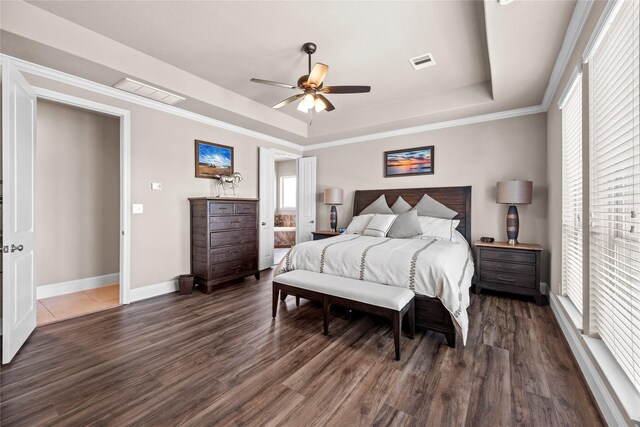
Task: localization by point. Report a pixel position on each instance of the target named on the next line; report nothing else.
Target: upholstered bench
(389, 301)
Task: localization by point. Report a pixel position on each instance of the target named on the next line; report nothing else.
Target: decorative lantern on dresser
(224, 240)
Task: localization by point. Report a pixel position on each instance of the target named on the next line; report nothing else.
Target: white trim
(577, 73)
(606, 401)
(608, 15)
(574, 29)
(89, 85)
(431, 126)
(544, 288)
(63, 288)
(138, 294)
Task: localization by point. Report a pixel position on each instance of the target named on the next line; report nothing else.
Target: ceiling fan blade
(346, 89)
(269, 82)
(318, 73)
(288, 100)
(328, 105)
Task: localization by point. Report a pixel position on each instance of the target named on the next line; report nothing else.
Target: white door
(267, 208)
(18, 213)
(306, 206)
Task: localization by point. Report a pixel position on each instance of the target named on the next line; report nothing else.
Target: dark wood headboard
(456, 198)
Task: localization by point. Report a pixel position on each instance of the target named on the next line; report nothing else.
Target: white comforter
(435, 268)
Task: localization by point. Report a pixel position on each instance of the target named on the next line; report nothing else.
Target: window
(614, 205)
(572, 194)
(288, 192)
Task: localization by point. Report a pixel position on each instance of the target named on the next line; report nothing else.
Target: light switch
(156, 186)
(138, 208)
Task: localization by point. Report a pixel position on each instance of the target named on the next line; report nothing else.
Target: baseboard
(151, 291)
(62, 288)
(596, 382)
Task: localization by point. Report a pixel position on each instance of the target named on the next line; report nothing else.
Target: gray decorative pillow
(380, 206)
(430, 207)
(400, 206)
(405, 226)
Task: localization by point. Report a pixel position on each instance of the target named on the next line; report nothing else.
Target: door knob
(264, 223)
(16, 248)
(313, 221)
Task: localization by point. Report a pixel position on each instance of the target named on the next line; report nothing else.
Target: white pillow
(379, 206)
(428, 206)
(437, 228)
(358, 224)
(379, 225)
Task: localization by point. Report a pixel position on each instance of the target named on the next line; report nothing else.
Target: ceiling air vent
(422, 61)
(143, 89)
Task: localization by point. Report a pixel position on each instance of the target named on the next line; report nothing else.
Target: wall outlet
(137, 208)
(156, 186)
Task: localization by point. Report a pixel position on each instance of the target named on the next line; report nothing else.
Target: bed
(439, 272)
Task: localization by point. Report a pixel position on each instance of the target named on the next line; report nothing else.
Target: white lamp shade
(333, 196)
(514, 192)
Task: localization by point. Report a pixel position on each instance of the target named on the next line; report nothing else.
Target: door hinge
(5, 249)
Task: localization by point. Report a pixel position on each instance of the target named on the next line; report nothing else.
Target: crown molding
(431, 126)
(79, 82)
(573, 80)
(578, 19)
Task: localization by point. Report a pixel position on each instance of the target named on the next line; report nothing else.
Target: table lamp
(333, 196)
(513, 193)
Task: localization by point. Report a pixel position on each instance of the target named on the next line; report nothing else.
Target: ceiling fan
(312, 87)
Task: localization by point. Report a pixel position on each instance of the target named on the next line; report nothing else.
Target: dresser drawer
(235, 237)
(246, 208)
(508, 279)
(231, 253)
(508, 255)
(507, 267)
(221, 208)
(232, 222)
(233, 268)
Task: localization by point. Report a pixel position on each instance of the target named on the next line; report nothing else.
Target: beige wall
(554, 149)
(283, 168)
(78, 194)
(478, 155)
(162, 150)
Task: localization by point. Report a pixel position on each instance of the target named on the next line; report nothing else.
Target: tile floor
(77, 304)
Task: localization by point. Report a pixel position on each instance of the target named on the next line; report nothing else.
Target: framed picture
(213, 159)
(410, 161)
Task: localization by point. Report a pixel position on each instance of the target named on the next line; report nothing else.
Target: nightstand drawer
(508, 279)
(508, 255)
(508, 267)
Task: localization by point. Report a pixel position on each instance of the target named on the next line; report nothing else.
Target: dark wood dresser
(224, 240)
(514, 269)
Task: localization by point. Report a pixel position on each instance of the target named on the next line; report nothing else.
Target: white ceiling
(488, 57)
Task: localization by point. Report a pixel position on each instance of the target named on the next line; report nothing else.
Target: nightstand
(324, 234)
(514, 269)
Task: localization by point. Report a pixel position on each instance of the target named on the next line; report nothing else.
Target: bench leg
(451, 339)
(397, 321)
(297, 301)
(325, 314)
(274, 305)
(412, 319)
(283, 296)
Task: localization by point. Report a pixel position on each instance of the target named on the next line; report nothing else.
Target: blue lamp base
(513, 225)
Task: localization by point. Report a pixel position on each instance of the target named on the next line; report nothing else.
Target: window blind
(614, 157)
(572, 194)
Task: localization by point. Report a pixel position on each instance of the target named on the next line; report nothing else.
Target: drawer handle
(237, 267)
(506, 280)
(235, 222)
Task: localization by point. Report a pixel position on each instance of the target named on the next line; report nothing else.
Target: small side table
(324, 234)
(510, 268)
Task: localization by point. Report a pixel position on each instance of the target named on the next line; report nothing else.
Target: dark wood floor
(220, 360)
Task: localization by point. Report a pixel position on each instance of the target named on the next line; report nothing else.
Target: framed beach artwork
(409, 161)
(213, 159)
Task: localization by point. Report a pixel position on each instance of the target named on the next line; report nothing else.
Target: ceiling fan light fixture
(302, 107)
(308, 101)
(320, 105)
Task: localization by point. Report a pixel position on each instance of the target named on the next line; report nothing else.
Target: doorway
(285, 206)
(77, 211)
(19, 117)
